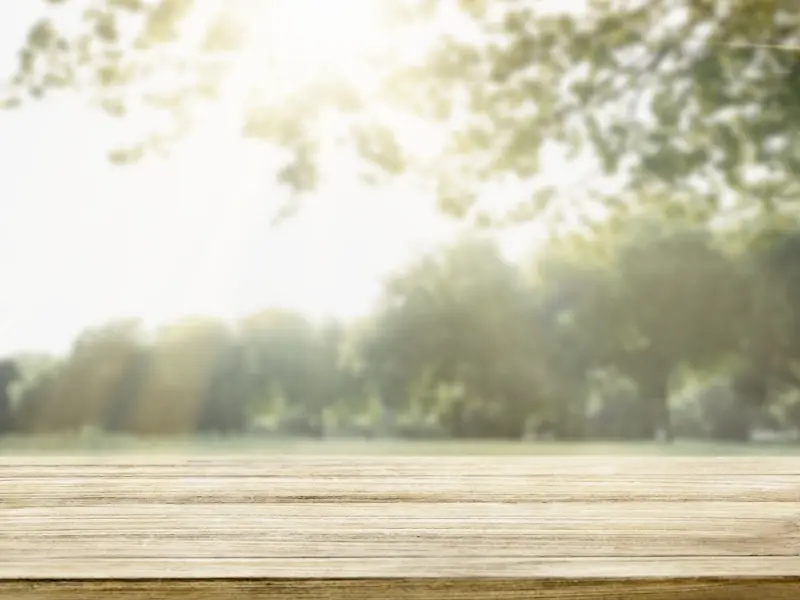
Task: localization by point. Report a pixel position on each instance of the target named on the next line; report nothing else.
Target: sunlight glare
(308, 37)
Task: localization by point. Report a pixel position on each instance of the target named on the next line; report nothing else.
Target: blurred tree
(694, 96)
(9, 373)
(127, 389)
(676, 301)
(771, 351)
(641, 298)
(36, 372)
(83, 389)
(690, 100)
(456, 335)
(297, 360)
(571, 284)
(360, 405)
(225, 404)
(184, 360)
(165, 61)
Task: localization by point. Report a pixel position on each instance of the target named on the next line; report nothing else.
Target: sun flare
(305, 38)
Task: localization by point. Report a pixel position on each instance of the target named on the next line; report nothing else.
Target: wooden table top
(400, 527)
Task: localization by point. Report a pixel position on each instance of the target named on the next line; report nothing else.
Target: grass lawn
(109, 444)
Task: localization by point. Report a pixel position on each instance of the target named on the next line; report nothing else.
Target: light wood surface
(312, 527)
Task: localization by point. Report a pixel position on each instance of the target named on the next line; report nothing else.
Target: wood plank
(280, 527)
(405, 589)
(423, 466)
(60, 490)
(424, 532)
(451, 566)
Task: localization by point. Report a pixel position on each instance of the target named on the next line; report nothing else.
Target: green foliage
(594, 340)
(675, 93)
(473, 308)
(693, 97)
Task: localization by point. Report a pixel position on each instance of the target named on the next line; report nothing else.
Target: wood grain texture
(405, 589)
(399, 527)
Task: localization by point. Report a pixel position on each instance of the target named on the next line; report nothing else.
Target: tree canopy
(465, 344)
(692, 98)
(689, 108)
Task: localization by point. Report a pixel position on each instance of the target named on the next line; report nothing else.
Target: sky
(83, 241)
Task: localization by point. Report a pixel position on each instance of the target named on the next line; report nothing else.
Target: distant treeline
(604, 335)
